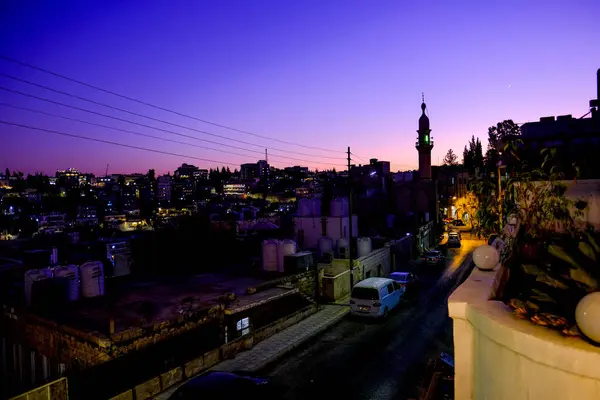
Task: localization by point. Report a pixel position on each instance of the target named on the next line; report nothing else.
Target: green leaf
(593, 243)
(541, 296)
(550, 281)
(560, 252)
(532, 269)
(587, 250)
(581, 276)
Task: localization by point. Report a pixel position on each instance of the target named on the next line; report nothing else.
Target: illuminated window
(243, 326)
(426, 138)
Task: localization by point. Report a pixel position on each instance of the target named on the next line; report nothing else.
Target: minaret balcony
(422, 143)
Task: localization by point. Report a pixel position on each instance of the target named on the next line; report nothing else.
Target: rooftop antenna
(266, 156)
(423, 97)
(106, 174)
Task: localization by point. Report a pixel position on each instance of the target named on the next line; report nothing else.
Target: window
(243, 326)
(397, 286)
(390, 288)
(426, 138)
(362, 293)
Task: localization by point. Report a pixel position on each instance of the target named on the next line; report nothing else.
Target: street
(358, 359)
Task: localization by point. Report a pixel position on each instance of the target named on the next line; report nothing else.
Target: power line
(162, 108)
(113, 143)
(154, 119)
(147, 126)
(360, 158)
(145, 134)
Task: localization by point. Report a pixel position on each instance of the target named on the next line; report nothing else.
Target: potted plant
(551, 260)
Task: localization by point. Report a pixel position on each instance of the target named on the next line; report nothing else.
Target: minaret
(424, 144)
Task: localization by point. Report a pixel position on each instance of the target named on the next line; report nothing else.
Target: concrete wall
(335, 282)
(500, 357)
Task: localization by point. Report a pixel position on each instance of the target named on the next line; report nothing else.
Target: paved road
(358, 359)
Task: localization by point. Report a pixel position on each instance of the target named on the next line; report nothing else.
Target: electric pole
(350, 210)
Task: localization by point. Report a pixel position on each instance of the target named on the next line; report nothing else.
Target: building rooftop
(143, 304)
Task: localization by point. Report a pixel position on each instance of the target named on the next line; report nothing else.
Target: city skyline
(266, 69)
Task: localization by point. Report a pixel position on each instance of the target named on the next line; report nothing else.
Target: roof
(373, 282)
(145, 303)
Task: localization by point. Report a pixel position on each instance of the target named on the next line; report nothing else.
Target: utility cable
(140, 124)
(114, 143)
(143, 134)
(12, 60)
(154, 119)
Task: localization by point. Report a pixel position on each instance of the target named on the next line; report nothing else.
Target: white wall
(500, 357)
(337, 227)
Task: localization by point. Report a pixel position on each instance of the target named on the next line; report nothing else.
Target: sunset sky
(327, 74)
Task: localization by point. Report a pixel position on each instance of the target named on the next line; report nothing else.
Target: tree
(503, 145)
(473, 155)
(501, 133)
(451, 159)
(151, 175)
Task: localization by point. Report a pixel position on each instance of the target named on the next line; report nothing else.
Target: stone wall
(151, 387)
(80, 350)
(306, 283)
(56, 390)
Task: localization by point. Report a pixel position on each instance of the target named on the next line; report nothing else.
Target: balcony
(421, 143)
(501, 357)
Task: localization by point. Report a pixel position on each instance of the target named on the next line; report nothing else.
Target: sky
(325, 74)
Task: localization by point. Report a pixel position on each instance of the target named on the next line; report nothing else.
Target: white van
(375, 297)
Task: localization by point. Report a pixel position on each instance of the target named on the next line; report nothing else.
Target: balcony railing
(420, 143)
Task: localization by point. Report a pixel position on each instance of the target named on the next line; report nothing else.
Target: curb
(283, 352)
(263, 363)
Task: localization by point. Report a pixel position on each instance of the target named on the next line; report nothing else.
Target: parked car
(408, 280)
(458, 222)
(226, 385)
(375, 297)
(433, 257)
(453, 240)
(453, 232)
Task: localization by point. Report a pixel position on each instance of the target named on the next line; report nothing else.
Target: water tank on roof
(71, 273)
(92, 279)
(269, 255)
(316, 207)
(325, 246)
(284, 248)
(339, 207)
(32, 276)
(343, 245)
(305, 207)
(363, 246)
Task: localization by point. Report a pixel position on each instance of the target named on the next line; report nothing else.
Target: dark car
(453, 240)
(406, 279)
(433, 257)
(455, 233)
(226, 385)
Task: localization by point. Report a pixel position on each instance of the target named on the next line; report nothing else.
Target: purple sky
(320, 73)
